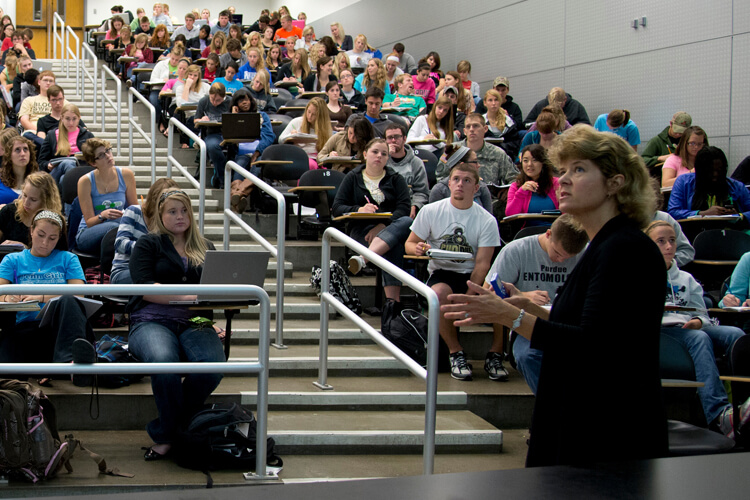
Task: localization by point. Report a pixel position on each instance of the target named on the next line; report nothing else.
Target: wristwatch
(100, 217)
(517, 322)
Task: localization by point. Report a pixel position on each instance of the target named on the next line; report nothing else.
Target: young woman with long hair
(64, 142)
(19, 161)
(535, 189)
(314, 120)
(373, 76)
(39, 192)
(438, 124)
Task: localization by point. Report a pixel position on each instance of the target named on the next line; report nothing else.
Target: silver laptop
(230, 268)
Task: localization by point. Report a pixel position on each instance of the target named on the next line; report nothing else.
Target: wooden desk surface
(272, 162)
(512, 218)
(203, 123)
(287, 85)
(311, 188)
(364, 216)
(425, 142)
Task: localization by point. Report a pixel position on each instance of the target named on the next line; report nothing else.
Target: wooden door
(37, 15)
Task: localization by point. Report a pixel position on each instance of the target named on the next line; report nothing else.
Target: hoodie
(412, 170)
(684, 291)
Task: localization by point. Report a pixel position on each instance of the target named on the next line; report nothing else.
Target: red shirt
(209, 77)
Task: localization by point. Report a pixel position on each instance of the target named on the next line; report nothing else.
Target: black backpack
(406, 329)
(341, 286)
(220, 437)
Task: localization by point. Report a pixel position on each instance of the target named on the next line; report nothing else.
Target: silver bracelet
(517, 322)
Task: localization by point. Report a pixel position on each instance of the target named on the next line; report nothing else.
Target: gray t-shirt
(526, 265)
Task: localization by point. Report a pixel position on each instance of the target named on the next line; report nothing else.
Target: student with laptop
(210, 109)
(173, 253)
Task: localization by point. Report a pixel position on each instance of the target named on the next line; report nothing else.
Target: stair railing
(116, 107)
(149, 138)
(200, 184)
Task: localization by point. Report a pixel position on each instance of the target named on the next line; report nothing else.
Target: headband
(166, 195)
(393, 58)
(50, 215)
(457, 156)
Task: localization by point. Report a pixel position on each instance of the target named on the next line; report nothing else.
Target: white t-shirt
(446, 227)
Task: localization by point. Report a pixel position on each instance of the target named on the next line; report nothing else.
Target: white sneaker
(460, 368)
(356, 264)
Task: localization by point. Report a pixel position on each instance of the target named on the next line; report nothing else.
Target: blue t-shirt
(629, 131)
(7, 195)
(232, 86)
(246, 72)
(25, 269)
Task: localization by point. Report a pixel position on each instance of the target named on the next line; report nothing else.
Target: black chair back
(278, 128)
(70, 184)
(282, 97)
(674, 360)
(289, 152)
(721, 244)
(108, 250)
(530, 231)
(321, 201)
(430, 164)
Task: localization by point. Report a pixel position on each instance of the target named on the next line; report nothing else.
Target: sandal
(44, 382)
(151, 455)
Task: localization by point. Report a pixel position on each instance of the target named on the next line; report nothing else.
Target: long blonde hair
(63, 145)
(49, 194)
(497, 121)
(380, 77)
(261, 64)
(337, 62)
(258, 45)
(446, 123)
(195, 245)
(322, 123)
(140, 37)
(303, 64)
(278, 58)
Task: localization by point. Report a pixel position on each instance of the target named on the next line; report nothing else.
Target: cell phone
(498, 286)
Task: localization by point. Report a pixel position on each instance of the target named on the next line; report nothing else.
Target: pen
(367, 199)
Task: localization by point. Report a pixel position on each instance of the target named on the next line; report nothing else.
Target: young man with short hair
(144, 26)
(51, 121)
(665, 143)
(456, 224)
(502, 85)
(233, 53)
(537, 266)
(404, 99)
(287, 29)
(411, 168)
(189, 29)
(33, 108)
(406, 61)
(373, 102)
(222, 24)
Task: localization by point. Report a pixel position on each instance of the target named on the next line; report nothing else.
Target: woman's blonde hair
(497, 121)
(194, 68)
(148, 209)
(337, 62)
(195, 245)
(221, 36)
(261, 64)
(363, 37)
(656, 224)
(556, 96)
(49, 194)
(613, 156)
(446, 123)
(314, 54)
(342, 35)
(258, 45)
(11, 66)
(63, 145)
(322, 123)
(380, 77)
(139, 38)
(303, 64)
(178, 49)
(263, 75)
(269, 62)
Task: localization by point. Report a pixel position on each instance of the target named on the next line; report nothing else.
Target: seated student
(267, 38)
(314, 121)
(192, 91)
(307, 40)
(708, 191)
(373, 188)
(358, 55)
(695, 331)
(406, 62)
(438, 124)
(39, 192)
(340, 63)
(495, 166)
(143, 55)
(574, 110)
(500, 125)
(536, 266)
(172, 253)
(295, 70)
(357, 133)
(18, 48)
(235, 33)
(233, 54)
(409, 105)
(349, 95)
(287, 29)
(459, 118)
(103, 194)
(392, 71)
(339, 114)
(165, 69)
(8, 41)
(273, 58)
(343, 41)
(501, 85)
(460, 225)
(373, 103)
(288, 50)
(402, 159)
(33, 108)
(189, 29)
(212, 69)
(202, 42)
(742, 171)
(665, 143)
(230, 83)
(464, 100)
(464, 70)
(30, 86)
(316, 82)
(216, 46)
(155, 97)
(135, 222)
(64, 142)
(424, 85)
(19, 161)
(455, 154)
(45, 262)
(682, 161)
(126, 38)
(210, 109)
(738, 292)
(546, 123)
(160, 38)
(10, 72)
(374, 75)
(160, 18)
(24, 64)
(535, 189)
(243, 102)
(260, 89)
(142, 24)
(619, 123)
(222, 24)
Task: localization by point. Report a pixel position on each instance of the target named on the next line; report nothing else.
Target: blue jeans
(153, 98)
(216, 155)
(243, 161)
(702, 345)
(61, 169)
(528, 361)
(89, 239)
(394, 235)
(120, 277)
(177, 401)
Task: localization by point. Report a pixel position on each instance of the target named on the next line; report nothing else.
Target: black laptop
(240, 126)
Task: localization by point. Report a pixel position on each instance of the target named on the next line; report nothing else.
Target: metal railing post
(92, 76)
(433, 318)
(278, 251)
(106, 100)
(150, 138)
(171, 160)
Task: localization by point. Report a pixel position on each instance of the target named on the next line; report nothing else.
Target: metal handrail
(69, 52)
(56, 19)
(105, 98)
(150, 138)
(277, 251)
(244, 291)
(199, 185)
(91, 76)
(433, 317)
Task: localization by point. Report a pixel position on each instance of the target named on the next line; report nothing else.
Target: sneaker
(83, 352)
(460, 368)
(128, 83)
(356, 264)
(493, 365)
